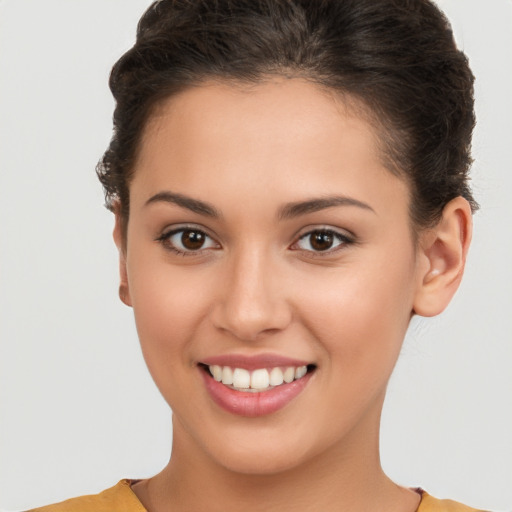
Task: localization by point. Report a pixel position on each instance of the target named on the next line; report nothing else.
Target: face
(272, 271)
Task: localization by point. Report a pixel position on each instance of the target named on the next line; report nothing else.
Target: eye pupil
(192, 239)
(321, 240)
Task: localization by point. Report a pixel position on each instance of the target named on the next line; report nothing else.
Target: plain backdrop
(78, 408)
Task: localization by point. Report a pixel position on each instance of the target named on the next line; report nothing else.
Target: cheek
(358, 322)
(169, 307)
(361, 314)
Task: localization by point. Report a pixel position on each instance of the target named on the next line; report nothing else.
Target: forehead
(282, 134)
(284, 99)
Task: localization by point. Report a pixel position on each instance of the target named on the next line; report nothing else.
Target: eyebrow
(194, 205)
(288, 211)
(292, 210)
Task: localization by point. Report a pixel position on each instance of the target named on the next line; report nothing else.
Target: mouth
(258, 380)
(251, 388)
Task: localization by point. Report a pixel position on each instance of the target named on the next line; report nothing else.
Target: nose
(252, 300)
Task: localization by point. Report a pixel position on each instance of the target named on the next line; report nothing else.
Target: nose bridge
(252, 302)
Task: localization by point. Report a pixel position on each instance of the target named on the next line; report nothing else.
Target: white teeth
(227, 375)
(241, 378)
(260, 379)
(276, 377)
(289, 374)
(300, 372)
(257, 380)
(216, 372)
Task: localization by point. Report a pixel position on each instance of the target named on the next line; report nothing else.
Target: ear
(119, 239)
(442, 258)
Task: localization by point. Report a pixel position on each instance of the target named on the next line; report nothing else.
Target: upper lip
(253, 362)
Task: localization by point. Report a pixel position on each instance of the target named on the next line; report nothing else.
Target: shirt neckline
(127, 483)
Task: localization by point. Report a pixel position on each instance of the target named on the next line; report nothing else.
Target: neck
(347, 476)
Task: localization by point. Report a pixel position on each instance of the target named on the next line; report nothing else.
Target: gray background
(78, 408)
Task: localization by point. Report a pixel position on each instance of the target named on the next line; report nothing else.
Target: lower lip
(253, 404)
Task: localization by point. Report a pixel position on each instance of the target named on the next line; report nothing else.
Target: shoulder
(119, 498)
(431, 504)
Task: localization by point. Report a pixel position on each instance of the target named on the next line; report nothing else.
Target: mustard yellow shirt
(121, 498)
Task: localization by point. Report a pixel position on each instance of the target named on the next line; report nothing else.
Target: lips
(254, 386)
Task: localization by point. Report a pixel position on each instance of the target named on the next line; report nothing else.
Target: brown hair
(397, 57)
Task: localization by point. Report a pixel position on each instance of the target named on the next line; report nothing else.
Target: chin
(260, 451)
(260, 461)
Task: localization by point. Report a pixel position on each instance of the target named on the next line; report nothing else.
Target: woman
(290, 187)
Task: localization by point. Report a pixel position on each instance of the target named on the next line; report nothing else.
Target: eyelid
(346, 238)
(342, 232)
(169, 231)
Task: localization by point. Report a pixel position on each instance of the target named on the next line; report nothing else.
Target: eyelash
(344, 240)
(165, 240)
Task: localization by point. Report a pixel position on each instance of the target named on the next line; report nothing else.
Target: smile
(253, 387)
(258, 380)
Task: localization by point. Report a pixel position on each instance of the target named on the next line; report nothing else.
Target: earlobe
(443, 250)
(118, 235)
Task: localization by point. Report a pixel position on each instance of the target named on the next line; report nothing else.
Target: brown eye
(322, 240)
(192, 240)
(187, 241)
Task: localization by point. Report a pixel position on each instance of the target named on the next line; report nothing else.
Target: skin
(257, 286)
